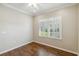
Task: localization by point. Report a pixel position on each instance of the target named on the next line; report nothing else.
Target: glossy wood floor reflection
(35, 49)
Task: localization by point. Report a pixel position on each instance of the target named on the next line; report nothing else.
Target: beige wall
(15, 29)
(78, 28)
(69, 23)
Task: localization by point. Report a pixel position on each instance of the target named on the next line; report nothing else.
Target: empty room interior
(39, 29)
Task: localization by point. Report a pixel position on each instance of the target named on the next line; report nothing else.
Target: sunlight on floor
(43, 52)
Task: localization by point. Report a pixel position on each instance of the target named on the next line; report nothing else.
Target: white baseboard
(14, 48)
(58, 48)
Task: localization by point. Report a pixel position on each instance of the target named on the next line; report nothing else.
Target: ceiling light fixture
(34, 6)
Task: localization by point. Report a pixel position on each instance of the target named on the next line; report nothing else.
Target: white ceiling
(42, 7)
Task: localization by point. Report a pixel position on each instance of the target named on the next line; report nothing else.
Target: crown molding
(57, 8)
(16, 9)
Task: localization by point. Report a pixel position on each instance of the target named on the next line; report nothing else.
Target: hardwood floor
(35, 49)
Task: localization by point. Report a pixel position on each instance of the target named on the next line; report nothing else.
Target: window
(51, 28)
(43, 29)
